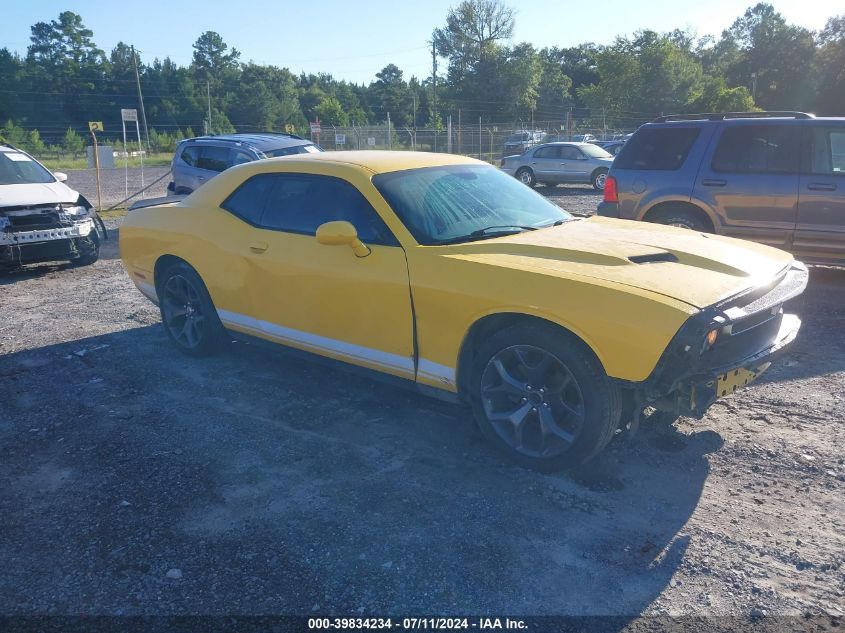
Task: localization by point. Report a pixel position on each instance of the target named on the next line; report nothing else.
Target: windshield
(449, 203)
(594, 151)
(17, 168)
(296, 149)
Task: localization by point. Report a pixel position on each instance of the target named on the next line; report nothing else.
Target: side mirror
(60, 176)
(339, 233)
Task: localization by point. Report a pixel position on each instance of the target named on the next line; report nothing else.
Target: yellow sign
(95, 126)
(289, 128)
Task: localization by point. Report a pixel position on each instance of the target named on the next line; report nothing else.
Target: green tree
(390, 93)
(830, 67)
(330, 112)
(72, 142)
(763, 49)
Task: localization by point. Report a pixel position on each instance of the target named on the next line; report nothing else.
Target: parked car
(772, 177)
(520, 142)
(41, 218)
(198, 160)
(571, 138)
(611, 147)
(554, 163)
(443, 273)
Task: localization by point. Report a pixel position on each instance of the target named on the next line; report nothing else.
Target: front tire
(526, 176)
(541, 396)
(187, 312)
(88, 249)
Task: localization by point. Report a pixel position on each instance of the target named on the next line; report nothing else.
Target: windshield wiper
(498, 229)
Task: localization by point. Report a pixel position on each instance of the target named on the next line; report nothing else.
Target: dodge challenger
(443, 273)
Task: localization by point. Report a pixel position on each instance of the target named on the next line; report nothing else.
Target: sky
(354, 40)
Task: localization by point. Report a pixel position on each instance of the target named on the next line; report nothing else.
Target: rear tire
(682, 217)
(541, 396)
(526, 176)
(187, 312)
(599, 178)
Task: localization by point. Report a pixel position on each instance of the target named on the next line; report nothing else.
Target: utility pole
(414, 137)
(434, 89)
(459, 131)
(479, 138)
(754, 87)
(140, 97)
(389, 140)
(208, 96)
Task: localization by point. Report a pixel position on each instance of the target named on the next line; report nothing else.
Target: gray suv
(198, 160)
(772, 177)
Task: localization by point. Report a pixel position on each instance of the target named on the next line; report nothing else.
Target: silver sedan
(554, 163)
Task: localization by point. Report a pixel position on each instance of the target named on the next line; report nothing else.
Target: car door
(820, 226)
(545, 162)
(212, 160)
(325, 299)
(574, 165)
(186, 173)
(750, 180)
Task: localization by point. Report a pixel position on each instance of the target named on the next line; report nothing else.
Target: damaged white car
(41, 218)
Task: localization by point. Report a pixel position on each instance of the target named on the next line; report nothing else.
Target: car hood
(696, 268)
(36, 194)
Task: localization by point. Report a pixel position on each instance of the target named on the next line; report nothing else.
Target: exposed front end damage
(48, 232)
(723, 348)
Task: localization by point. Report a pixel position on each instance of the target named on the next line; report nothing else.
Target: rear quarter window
(661, 149)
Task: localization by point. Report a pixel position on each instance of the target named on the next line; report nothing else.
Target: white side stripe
(435, 371)
(320, 343)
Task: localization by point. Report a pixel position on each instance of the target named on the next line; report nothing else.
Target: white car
(41, 218)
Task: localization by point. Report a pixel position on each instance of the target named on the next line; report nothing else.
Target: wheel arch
(680, 204)
(163, 263)
(486, 325)
(597, 171)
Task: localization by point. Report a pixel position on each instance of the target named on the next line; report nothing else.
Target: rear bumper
(608, 210)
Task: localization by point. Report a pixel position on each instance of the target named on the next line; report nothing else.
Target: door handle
(709, 182)
(258, 247)
(821, 186)
(200, 177)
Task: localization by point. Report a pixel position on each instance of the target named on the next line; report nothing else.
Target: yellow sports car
(447, 274)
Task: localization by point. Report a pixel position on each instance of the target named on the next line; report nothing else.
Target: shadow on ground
(277, 486)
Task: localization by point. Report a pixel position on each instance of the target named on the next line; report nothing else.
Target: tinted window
(213, 158)
(827, 150)
(248, 200)
(567, 152)
(239, 158)
(300, 203)
(757, 149)
(296, 149)
(547, 152)
(190, 155)
(663, 149)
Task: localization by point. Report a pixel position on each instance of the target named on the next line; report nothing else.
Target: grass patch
(59, 163)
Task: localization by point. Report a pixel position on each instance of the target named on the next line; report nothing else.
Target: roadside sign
(371, 141)
(315, 128)
(340, 139)
(129, 115)
(289, 128)
(95, 126)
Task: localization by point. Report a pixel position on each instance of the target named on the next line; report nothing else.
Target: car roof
(260, 141)
(575, 143)
(383, 161)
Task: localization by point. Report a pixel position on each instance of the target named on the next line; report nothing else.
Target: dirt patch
(273, 485)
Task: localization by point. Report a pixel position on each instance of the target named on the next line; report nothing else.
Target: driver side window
(299, 203)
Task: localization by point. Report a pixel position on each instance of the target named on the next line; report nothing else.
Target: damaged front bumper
(751, 331)
(47, 233)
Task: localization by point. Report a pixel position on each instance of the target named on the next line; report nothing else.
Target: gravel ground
(135, 480)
